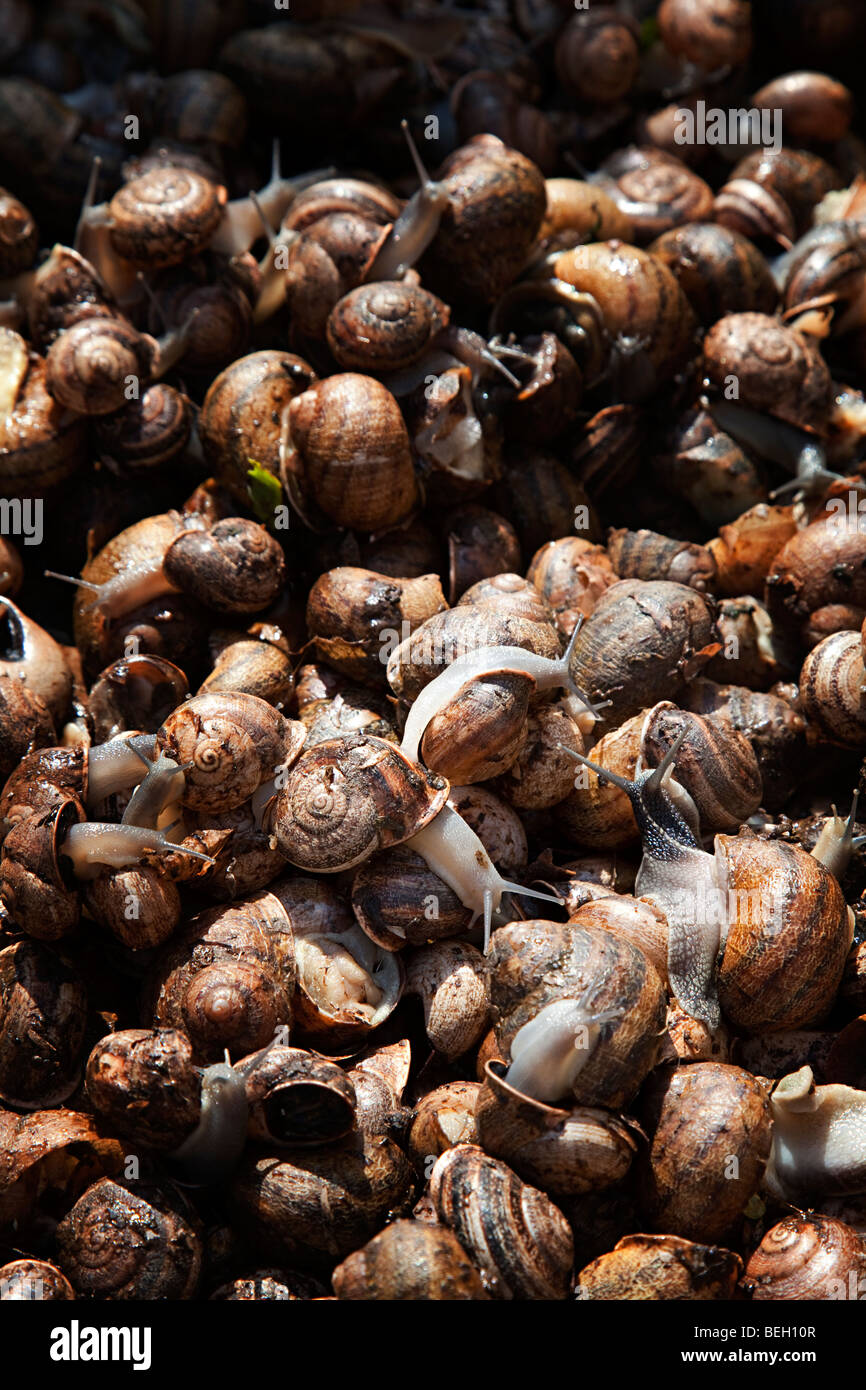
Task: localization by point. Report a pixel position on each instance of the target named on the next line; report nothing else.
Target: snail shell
(36, 887)
(234, 742)
(787, 939)
(597, 56)
(399, 900)
(516, 1237)
(143, 1082)
(833, 688)
(536, 964)
(656, 190)
(148, 432)
(384, 326)
(102, 1252)
(778, 370)
(564, 1152)
(661, 1267)
(19, 237)
(699, 1117)
(31, 1279)
(495, 206)
(647, 555)
(662, 630)
(807, 1257)
(235, 567)
(709, 33)
(719, 270)
(410, 1260)
(43, 1011)
(350, 451)
(242, 414)
(165, 216)
(348, 797)
(88, 365)
(296, 1097)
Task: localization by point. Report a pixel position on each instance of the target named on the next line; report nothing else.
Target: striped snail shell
(833, 688)
(164, 217)
(347, 797)
(514, 1234)
(384, 326)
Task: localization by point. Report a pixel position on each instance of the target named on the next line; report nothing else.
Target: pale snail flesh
(819, 1138)
(211, 1153)
(550, 1051)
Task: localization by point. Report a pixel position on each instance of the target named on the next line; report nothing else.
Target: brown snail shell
(346, 984)
(443, 1117)
(639, 922)
(53, 1153)
(446, 636)
(148, 432)
(19, 237)
(33, 1279)
(661, 1267)
(647, 555)
(542, 775)
(807, 1257)
(353, 614)
(235, 567)
(548, 400)
(234, 742)
(572, 574)
(495, 206)
(597, 56)
(815, 108)
(778, 370)
(535, 964)
(165, 216)
(669, 626)
(155, 897)
(715, 764)
(35, 886)
(574, 205)
(384, 326)
(710, 35)
(410, 1260)
(833, 688)
(657, 190)
(482, 731)
(516, 1237)
(658, 313)
(820, 565)
(564, 1152)
(700, 1118)
(481, 545)
(787, 939)
(317, 1205)
(137, 692)
(399, 900)
(102, 1252)
(746, 548)
(348, 797)
(42, 1020)
(451, 980)
(719, 270)
(143, 1083)
(243, 412)
(350, 452)
(509, 593)
(227, 980)
(296, 1097)
(25, 723)
(89, 366)
(41, 444)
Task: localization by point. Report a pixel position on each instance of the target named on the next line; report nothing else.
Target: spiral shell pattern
(517, 1238)
(346, 798)
(89, 364)
(164, 217)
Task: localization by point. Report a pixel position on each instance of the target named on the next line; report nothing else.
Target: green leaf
(265, 491)
(649, 32)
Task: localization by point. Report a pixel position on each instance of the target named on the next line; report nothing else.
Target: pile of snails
(430, 854)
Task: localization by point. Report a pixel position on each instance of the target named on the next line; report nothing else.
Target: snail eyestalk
(95, 844)
(416, 226)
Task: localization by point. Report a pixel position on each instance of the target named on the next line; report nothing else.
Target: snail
(817, 1138)
(807, 1256)
(753, 901)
